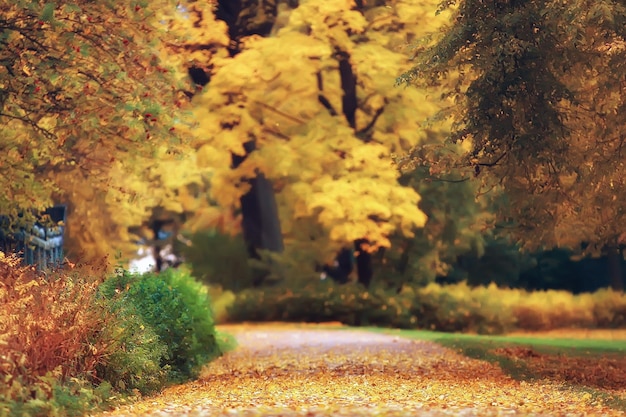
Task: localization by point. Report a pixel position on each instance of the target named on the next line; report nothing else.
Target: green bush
(175, 308)
(135, 350)
(49, 397)
(219, 259)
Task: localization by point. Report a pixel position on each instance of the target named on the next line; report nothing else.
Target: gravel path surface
(281, 370)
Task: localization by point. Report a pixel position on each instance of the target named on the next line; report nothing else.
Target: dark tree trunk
(242, 18)
(261, 224)
(365, 271)
(615, 261)
(349, 104)
(403, 262)
(348, 85)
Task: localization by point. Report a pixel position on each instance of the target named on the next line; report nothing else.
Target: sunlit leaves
(284, 92)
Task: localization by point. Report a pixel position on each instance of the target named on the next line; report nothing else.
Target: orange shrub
(48, 323)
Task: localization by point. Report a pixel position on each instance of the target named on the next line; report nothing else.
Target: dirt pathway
(312, 371)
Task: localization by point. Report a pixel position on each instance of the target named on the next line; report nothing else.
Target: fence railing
(42, 243)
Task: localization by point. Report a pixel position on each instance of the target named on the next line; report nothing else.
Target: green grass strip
(482, 348)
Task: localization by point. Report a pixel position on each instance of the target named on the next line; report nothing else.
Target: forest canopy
(535, 89)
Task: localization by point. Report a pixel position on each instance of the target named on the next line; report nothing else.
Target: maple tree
(89, 112)
(535, 90)
(306, 107)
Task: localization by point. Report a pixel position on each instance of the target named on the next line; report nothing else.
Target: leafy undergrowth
(310, 371)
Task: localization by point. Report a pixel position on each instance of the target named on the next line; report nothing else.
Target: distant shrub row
(449, 308)
(70, 343)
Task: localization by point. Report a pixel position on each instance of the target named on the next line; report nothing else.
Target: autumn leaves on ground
(296, 370)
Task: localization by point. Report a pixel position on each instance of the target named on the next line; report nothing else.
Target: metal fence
(42, 243)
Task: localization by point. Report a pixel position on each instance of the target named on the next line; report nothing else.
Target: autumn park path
(284, 370)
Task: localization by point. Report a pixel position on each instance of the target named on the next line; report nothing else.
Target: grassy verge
(569, 346)
(596, 368)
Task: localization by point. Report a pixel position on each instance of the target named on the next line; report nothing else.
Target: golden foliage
(533, 310)
(449, 308)
(331, 179)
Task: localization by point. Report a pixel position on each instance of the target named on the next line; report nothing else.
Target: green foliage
(177, 310)
(48, 397)
(320, 301)
(219, 259)
(136, 352)
(450, 308)
(455, 226)
(500, 262)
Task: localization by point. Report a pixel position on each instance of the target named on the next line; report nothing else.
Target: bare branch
(285, 115)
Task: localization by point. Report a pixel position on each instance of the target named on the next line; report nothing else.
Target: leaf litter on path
(309, 371)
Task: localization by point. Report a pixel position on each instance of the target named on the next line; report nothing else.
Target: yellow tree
(316, 98)
(90, 115)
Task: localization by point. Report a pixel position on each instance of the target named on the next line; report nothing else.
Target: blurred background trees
(271, 133)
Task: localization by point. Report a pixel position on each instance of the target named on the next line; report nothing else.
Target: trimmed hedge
(449, 308)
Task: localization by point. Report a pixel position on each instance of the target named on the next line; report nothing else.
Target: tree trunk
(365, 270)
(615, 260)
(245, 18)
(349, 104)
(261, 224)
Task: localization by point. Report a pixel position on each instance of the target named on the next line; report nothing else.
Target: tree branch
(372, 122)
(285, 115)
(321, 98)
